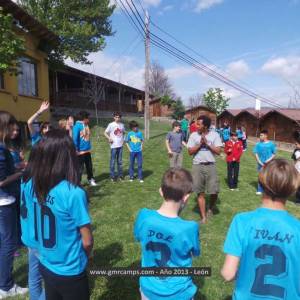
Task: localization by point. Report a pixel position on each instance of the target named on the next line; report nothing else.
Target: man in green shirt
(184, 128)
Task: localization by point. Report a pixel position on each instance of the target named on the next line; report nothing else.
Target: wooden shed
(249, 120)
(228, 115)
(195, 112)
(281, 124)
(159, 110)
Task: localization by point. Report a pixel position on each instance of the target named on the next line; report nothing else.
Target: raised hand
(44, 106)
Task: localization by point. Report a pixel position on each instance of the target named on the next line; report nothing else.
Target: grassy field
(114, 207)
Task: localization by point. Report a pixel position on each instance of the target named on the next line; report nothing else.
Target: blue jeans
(139, 157)
(8, 244)
(35, 280)
(259, 187)
(116, 156)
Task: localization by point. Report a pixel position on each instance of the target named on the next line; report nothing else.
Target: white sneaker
(14, 291)
(258, 193)
(92, 182)
(141, 181)
(232, 189)
(130, 179)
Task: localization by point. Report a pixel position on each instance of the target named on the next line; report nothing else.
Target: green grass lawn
(114, 207)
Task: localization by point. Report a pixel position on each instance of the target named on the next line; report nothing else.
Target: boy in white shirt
(114, 133)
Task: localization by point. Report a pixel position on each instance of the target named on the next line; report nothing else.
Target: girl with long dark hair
(8, 209)
(55, 206)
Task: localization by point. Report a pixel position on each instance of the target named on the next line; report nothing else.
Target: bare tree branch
(93, 89)
(195, 100)
(159, 84)
(294, 101)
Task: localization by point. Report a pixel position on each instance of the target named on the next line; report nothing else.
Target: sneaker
(113, 180)
(141, 180)
(131, 179)
(258, 193)
(14, 291)
(121, 178)
(92, 182)
(232, 189)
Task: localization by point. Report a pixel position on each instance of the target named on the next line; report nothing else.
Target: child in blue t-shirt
(134, 142)
(55, 218)
(167, 240)
(36, 135)
(226, 133)
(262, 246)
(264, 152)
(81, 135)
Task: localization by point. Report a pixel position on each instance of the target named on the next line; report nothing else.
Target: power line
(129, 17)
(133, 44)
(195, 52)
(167, 47)
(140, 2)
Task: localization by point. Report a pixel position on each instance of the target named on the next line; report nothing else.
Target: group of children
(115, 134)
(264, 151)
(56, 228)
(253, 238)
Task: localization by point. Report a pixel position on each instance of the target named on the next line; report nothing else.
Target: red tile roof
(200, 107)
(291, 113)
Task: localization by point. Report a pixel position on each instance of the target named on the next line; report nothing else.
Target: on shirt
(204, 154)
(166, 242)
(116, 132)
(267, 242)
(264, 150)
(53, 228)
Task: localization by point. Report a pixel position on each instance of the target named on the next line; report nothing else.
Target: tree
(80, 25)
(93, 89)
(166, 100)
(215, 100)
(178, 109)
(294, 101)
(195, 100)
(11, 45)
(159, 83)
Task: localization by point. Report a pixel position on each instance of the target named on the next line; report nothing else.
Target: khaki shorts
(176, 160)
(205, 179)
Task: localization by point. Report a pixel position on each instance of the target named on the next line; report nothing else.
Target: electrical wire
(167, 47)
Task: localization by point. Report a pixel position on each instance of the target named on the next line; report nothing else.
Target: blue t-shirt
(239, 134)
(135, 139)
(16, 157)
(226, 134)
(81, 137)
(267, 242)
(264, 150)
(53, 228)
(166, 242)
(35, 138)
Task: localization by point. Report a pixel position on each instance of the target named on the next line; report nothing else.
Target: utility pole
(147, 71)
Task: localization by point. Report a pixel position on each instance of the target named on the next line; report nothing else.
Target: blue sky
(256, 42)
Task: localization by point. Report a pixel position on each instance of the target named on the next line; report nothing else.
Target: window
(1, 80)
(27, 79)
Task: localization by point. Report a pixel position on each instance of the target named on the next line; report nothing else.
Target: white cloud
(165, 9)
(180, 72)
(286, 67)
(168, 7)
(124, 69)
(206, 4)
(238, 69)
(149, 3)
